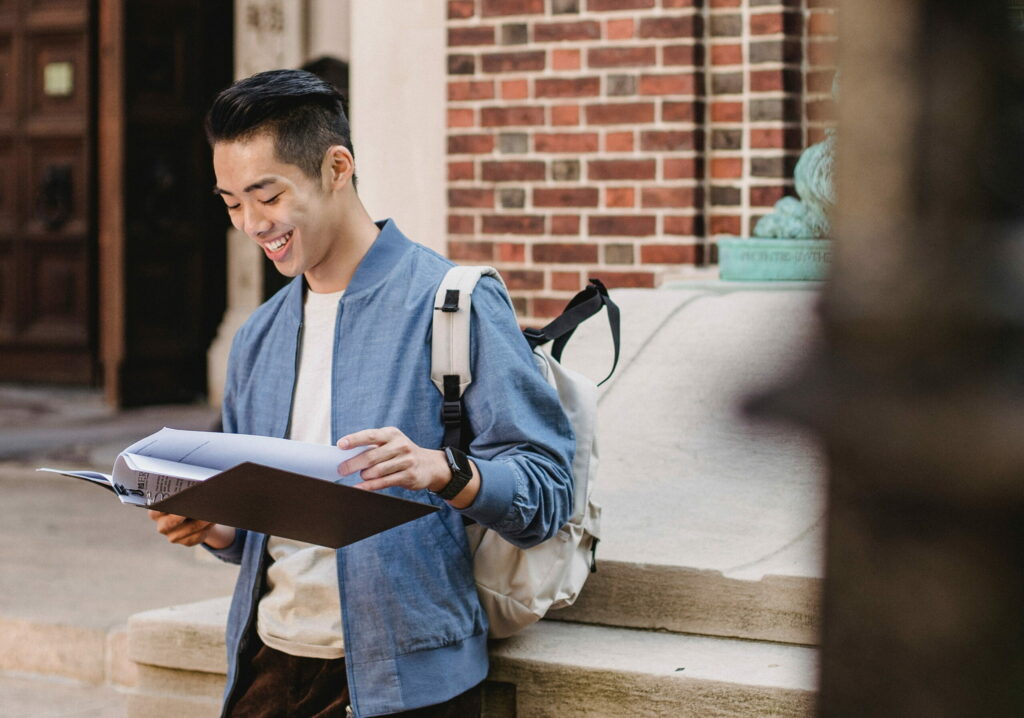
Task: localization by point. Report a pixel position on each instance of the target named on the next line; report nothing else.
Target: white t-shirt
(300, 614)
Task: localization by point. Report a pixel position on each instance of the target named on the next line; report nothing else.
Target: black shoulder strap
(580, 308)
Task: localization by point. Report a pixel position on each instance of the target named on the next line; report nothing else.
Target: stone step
(550, 669)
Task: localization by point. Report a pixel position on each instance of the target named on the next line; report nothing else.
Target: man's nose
(255, 223)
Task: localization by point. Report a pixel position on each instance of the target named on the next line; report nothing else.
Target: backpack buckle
(451, 412)
(535, 337)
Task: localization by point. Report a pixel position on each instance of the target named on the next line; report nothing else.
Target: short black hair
(304, 114)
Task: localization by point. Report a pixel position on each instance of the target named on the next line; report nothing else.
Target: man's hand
(394, 460)
(191, 532)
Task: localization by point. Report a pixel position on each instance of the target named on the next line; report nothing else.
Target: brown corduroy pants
(278, 685)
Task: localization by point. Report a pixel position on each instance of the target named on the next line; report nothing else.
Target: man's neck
(356, 234)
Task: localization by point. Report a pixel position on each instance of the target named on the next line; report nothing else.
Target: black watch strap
(461, 470)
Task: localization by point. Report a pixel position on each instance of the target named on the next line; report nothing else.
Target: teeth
(278, 243)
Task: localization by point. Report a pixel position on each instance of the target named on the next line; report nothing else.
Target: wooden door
(47, 241)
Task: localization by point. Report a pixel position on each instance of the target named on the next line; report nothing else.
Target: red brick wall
(617, 138)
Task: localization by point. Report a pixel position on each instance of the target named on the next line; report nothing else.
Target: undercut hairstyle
(304, 114)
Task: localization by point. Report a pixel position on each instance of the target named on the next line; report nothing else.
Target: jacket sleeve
(523, 443)
(229, 424)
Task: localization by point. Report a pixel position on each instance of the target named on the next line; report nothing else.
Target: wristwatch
(461, 470)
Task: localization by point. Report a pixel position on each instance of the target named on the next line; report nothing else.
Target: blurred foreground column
(917, 388)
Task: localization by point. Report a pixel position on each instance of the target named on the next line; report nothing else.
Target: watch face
(457, 462)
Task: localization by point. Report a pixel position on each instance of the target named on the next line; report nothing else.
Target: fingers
(180, 529)
(369, 436)
(388, 443)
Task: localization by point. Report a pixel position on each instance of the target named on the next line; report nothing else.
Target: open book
(276, 486)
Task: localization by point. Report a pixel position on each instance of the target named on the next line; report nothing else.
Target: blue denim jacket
(415, 633)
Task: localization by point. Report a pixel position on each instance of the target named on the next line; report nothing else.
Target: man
(390, 624)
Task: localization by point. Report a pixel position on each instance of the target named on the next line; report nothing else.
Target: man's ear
(338, 166)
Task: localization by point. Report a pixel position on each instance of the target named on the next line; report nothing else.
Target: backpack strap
(580, 308)
(449, 351)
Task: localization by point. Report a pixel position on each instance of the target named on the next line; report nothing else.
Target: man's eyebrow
(258, 184)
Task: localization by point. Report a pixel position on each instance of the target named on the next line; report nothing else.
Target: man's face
(281, 208)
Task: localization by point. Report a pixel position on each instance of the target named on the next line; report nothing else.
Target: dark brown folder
(281, 503)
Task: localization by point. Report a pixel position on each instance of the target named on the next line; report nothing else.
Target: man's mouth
(276, 245)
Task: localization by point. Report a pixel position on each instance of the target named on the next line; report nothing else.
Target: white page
(143, 480)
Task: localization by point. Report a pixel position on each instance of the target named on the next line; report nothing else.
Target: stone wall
(617, 138)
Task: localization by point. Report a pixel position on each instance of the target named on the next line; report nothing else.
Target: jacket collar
(378, 262)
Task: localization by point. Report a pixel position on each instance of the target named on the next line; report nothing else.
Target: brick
(775, 51)
(565, 197)
(520, 305)
(515, 33)
(566, 281)
(725, 225)
(461, 117)
(566, 31)
(820, 111)
(775, 138)
(622, 56)
(546, 307)
(470, 251)
(619, 197)
(820, 80)
(472, 35)
(513, 224)
(565, 170)
(779, 167)
(604, 5)
(567, 87)
(460, 224)
(727, 54)
(461, 64)
(726, 83)
(775, 80)
(726, 196)
(523, 279)
(513, 143)
(823, 23)
(691, 111)
(510, 251)
(669, 27)
(565, 115)
(681, 168)
(619, 142)
(775, 23)
(726, 25)
(461, 171)
(766, 196)
(677, 197)
(511, 116)
(515, 89)
(565, 7)
(726, 139)
(565, 253)
(512, 171)
(667, 140)
(815, 135)
(626, 225)
(470, 197)
(612, 280)
(491, 8)
(470, 144)
(461, 9)
(621, 85)
(727, 111)
(525, 61)
(685, 225)
(822, 53)
(726, 167)
(566, 59)
(512, 198)
(620, 29)
(620, 113)
(668, 254)
(725, 3)
(621, 169)
(565, 224)
(775, 109)
(565, 142)
(619, 254)
(684, 83)
(821, 4)
(470, 90)
(785, 3)
(680, 3)
(690, 54)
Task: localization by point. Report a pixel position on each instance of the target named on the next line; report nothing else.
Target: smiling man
(390, 625)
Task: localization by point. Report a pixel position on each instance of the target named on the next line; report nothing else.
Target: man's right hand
(191, 532)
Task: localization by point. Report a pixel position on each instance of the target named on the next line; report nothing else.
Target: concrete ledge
(189, 637)
(683, 600)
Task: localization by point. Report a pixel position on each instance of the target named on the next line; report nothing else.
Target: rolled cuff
(495, 499)
(232, 553)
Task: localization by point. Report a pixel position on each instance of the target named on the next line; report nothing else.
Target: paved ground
(74, 562)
